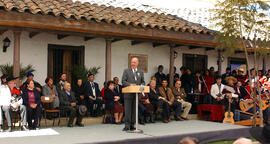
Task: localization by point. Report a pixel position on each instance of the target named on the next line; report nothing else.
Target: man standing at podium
(131, 76)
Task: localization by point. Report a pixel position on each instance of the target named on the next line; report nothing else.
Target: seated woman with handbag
(112, 102)
(49, 90)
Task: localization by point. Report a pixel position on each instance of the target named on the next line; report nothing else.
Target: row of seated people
(27, 99)
(161, 99)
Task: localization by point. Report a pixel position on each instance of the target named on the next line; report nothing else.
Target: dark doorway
(61, 58)
(195, 62)
(236, 61)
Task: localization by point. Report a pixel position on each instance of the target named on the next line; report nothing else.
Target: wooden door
(67, 63)
(61, 58)
(195, 62)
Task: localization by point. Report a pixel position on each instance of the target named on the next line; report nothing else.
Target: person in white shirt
(10, 100)
(216, 91)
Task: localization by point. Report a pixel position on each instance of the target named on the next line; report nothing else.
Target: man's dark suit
(128, 78)
(160, 77)
(90, 102)
(65, 102)
(118, 91)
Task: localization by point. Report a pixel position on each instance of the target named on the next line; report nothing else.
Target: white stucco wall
(35, 51)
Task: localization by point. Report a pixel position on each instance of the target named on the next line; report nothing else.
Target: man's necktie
(135, 75)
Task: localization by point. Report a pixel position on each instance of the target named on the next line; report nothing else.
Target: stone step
(87, 120)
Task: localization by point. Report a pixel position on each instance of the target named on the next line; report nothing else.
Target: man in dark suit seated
(69, 103)
(93, 96)
(168, 99)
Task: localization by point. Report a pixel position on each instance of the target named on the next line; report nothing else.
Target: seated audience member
(160, 75)
(216, 91)
(175, 76)
(152, 78)
(180, 96)
(3, 79)
(244, 92)
(30, 76)
(149, 109)
(112, 102)
(118, 89)
(154, 97)
(11, 100)
(70, 104)
(226, 74)
(261, 134)
(49, 89)
(103, 91)
(242, 141)
(79, 92)
(188, 140)
(92, 93)
(168, 99)
(31, 99)
(62, 80)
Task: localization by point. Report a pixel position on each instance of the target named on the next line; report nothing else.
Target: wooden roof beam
(209, 48)
(32, 34)
(238, 52)
(3, 31)
(116, 40)
(88, 38)
(134, 42)
(155, 44)
(195, 47)
(61, 36)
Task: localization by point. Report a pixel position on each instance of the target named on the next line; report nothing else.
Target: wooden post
(16, 55)
(172, 48)
(219, 62)
(264, 64)
(108, 59)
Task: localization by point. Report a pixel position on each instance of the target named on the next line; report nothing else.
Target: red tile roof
(94, 12)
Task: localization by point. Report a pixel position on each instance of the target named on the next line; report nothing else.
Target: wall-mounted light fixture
(6, 44)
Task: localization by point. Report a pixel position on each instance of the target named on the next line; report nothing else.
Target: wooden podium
(136, 89)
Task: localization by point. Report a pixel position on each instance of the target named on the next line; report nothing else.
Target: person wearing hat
(69, 102)
(30, 76)
(261, 134)
(93, 95)
(11, 100)
(230, 92)
(241, 77)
